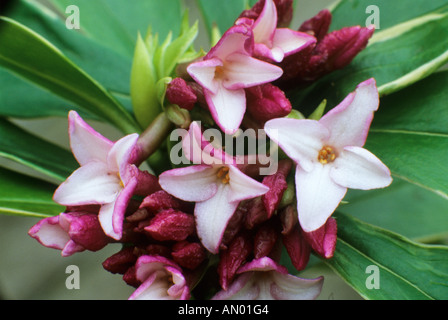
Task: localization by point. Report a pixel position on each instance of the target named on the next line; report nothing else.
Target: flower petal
(203, 72)
(85, 142)
(266, 23)
(238, 38)
(121, 205)
(289, 287)
(194, 183)
(227, 107)
(212, 217)
(105, 216)
(49, 233)
(290, 41)
(301, 140)
(242, 288)
(317, 196)
(90, 184)
(120, 155)
(243, 187)
(200, 151)
(349, 122)
(243, 71)
(358, 168)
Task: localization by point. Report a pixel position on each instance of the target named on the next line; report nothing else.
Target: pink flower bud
(171, 225)
(233, 226)
(85, 230)
(178, 92)
(162, 200)
(188, 255)
(232, 258)
(277, 185)
(338, 48)
(265, 240)
(323, 240)
(297, 247)
(121, 261)
(265, 102)
(130, 278)
(288, 219)
(318, 25)
(256, 213)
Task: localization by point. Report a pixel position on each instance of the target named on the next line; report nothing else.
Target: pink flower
(107, 175)
(264, 279)
(70, 232)
(329, 155)
(272, 42)
(226, 71)
(161, 279)
(215, 184)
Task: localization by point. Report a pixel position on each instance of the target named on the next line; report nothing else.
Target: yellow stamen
(223, 174)
(219, 72)
(326, 155)
(121, 181)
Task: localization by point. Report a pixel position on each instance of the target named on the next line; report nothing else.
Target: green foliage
(407, 270)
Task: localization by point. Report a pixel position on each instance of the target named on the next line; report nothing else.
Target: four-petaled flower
(226, 70)
(214, 183)
(264, 279)
(272, 42)
(329, 155)
(161, 279)
(107, 175)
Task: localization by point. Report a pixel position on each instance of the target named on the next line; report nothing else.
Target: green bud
(143, 85)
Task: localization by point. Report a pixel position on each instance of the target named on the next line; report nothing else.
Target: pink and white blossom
(161, 279)
(224, 73)
(264, 279)
(329, 155)
(272, 42)
(214, 183)
(70, 232)
(107, 175)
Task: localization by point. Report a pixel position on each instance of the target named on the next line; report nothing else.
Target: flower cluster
(217, 228)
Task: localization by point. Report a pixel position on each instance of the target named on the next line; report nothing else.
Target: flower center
(121, 181)
(219, 72)
(326, 155)
(223, 174)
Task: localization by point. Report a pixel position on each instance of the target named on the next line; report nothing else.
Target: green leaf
(20, 146)
(28, 54)
(37, 102)
(407, 270)
(409, 133)
(116, 23)
(395, 61)
(354, 12)
(425, 219)
(26, 196)
(220, 13)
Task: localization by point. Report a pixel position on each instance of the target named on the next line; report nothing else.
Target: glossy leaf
(23, 147)
(409, 133)
(358, 12)
(26, 196)
(396, 61)
(121, 21)
(406, 270)
(89, 55)
(425, 219)
(28, 54)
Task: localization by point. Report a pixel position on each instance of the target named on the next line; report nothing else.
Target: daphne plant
(243, 166)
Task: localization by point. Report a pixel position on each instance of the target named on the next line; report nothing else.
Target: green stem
(151, 139)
